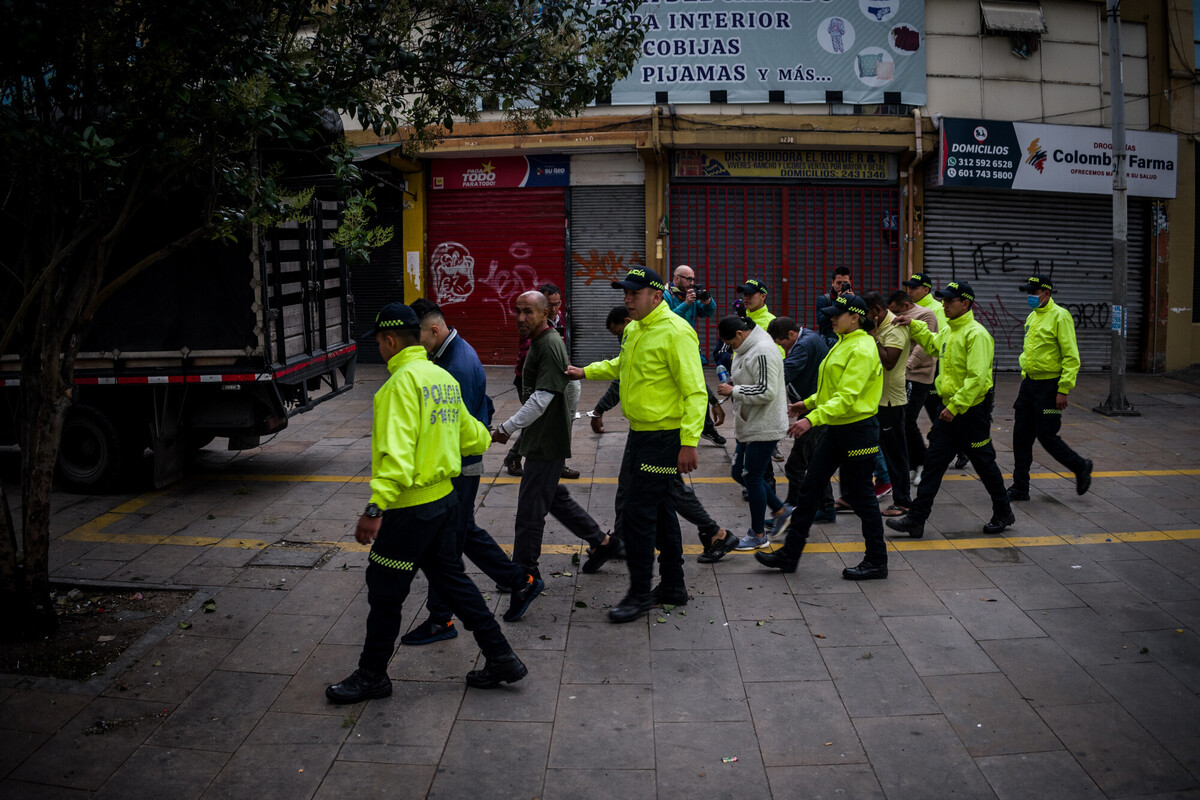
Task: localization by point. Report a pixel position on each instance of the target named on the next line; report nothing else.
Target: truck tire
(92, 456)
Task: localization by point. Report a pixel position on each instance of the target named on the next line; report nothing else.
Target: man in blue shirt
(693, 304)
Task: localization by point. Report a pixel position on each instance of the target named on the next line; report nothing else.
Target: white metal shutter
(995, 240)
(608, 236)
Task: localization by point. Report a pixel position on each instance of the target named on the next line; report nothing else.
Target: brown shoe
(513, 465)
(570, 474)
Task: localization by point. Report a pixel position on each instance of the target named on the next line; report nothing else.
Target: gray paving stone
(280, 643)
(513, 762)
(803, 723)
(76, 759)
(756, 596)
(938, 645)
(600, 784)
(989, 715)
(877, 681)
(238, 611)
(1178, 651)
(600, 652)
(1044, 673)
(697, 686)
(1166, 708)
(394, 781)
(21, 790)
(172, 669)
(321, 593)
(1124, 607)
(1031, 587)
(781, 650)
(410, 727)
(1118, 754)
(824, 783)
(286, 728)
(819, 573)
(692, 629)
(844, 620)
(943, 570)
(40, 711)
(272, 772)
(1088, 637)
(989, 614)
(16, 746)
(920, 757)
(305, 692)
(1069, 564)
(903, 593)
(599, 726)
(175, 773)
(1024, 775)
(534, 698)
(221, 712)
(689, 761)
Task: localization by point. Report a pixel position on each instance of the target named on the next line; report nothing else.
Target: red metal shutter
(486, 247)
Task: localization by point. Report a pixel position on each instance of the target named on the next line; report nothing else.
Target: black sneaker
(537, 576)
(718, 549)
(601, 553)
(865, 572)
(428, 632)
(713, 437)
(501, 669)
(999, 522)
(777, 560)
(523, 597)
(513, 465)
(1083, 479)
(826, 515)
(962, 461)
(1016, 495)
(906, 524)
(674, 596)
(631, 608)
(361, 685)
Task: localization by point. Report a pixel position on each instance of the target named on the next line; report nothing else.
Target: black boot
(776, 559)
(671, 596)
(632, 607)
(501, 669)
(361, 685)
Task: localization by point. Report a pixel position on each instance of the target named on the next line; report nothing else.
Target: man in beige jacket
(918, 377)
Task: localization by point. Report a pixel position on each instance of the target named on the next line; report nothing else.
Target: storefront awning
(372, 150)
(1000, 16)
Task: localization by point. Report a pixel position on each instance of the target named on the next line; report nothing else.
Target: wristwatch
(373, 511)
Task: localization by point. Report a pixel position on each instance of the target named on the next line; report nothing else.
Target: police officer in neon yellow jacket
(664, 398)
(849, 387)
(1049, 364)
(419, 434)
(964, 423)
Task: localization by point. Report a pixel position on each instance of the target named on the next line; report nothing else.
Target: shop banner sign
(806, 165)
(1053, 158)
(804, 48)
(504, 172)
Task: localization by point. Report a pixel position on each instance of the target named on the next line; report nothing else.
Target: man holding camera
(840, 285)
(692, 303)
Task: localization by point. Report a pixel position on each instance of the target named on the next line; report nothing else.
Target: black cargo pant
(687, 506)
(421, 537)
(541, 494)
(645, 508)
(894, 444)
(918, 393)
(1037, 418)
(969, 432)
(476, 544)
(852, 448)
(798, 463)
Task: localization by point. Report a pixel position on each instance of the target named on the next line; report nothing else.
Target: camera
(703, 295)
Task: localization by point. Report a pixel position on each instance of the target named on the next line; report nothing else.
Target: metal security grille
(486, 247)
(994, 240)
(608, 236)
(789, 237)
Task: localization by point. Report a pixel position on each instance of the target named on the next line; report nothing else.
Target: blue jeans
(751, 465)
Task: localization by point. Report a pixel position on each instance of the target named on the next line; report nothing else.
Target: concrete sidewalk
(1060, 661)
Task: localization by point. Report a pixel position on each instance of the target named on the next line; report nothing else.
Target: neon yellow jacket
(849, 382)
(1050, 347)
(419, 433)
(662, 383)
(762, 318)
(931, 302)
(965, 350)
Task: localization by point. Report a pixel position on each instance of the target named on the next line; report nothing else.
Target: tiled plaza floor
(1060, 660)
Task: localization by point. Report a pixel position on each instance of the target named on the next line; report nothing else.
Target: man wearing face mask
(1049, 364)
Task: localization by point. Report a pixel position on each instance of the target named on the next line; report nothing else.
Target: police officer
(1049, 364)
(964, 384)
(849, 386)
(663, 395)
(419, 433)
(920, 286)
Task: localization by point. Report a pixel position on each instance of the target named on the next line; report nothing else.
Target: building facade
(780, 140)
